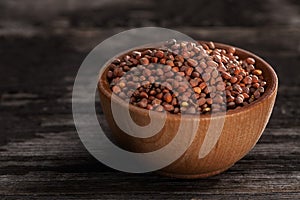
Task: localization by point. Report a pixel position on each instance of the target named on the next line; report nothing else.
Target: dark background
(42, 44)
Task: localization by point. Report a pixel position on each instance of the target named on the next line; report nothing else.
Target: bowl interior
(268, 73)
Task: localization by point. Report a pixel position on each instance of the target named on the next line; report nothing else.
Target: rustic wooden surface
(41, 156)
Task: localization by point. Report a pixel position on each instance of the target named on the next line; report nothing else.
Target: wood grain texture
(41, 156)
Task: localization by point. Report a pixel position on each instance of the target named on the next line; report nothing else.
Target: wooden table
(42, 157)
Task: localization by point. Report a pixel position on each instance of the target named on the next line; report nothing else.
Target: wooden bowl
(242, 129)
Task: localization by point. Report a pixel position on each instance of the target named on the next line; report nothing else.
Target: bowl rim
(103, 87)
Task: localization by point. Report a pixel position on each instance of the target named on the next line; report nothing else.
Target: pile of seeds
(186, 77)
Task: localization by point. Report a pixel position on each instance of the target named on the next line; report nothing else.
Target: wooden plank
(38, 167)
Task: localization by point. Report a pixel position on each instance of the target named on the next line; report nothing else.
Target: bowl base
(193, 176)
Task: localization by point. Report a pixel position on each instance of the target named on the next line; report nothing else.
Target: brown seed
(250, 61)
(162, 61)
(149, 107)
(185, 54)
(256, 85)
(136, 53)
(194, 82)
(116, 61)
(201, 101)
(222, 68)
(192, 62)
(246, 96)
(152, 92)
(151, 79)
(218, 99)
(231, 105)
(206, 77)
(159, 54)
(202, 65)
(189, 71)
(243, 73)
(226, 75)
(196, 74)
(154, 59)
(165, 90)
(179, 58)
(254, 79)
(147, 72)
(181, 89)
(126, 68)
(144, 61)
(231, 50)
(178, 63)
(167, 68)
(215, 73)
(170, 63)
(109, 74)
(230, 98)
(143, 95)
(256, 94)
(156, 102)
(212, 81)
(246, 90)
(250, 68)
(237, 71)
(175, 69)
(202, 85)
(116, 89)
(238, 88)
(247, 80)
(123, 64)
(209, 69)
(220, 87)
(205, 46)
(147, 52)
(187, 94)
(143, 103)
(257, 72)
(212, 64)
(168, 97)
(151, 98)
(159, 95)
(170, 57)
(174, 102)
(217, 58)
(175, 84)
(209, 101)
(122, 84)
(159, 72)
(211, 45)
(197, 90)
(169, 74)
(239, 99)
(117, 71)
(183, 68)
(261, 89)
(263, 83)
